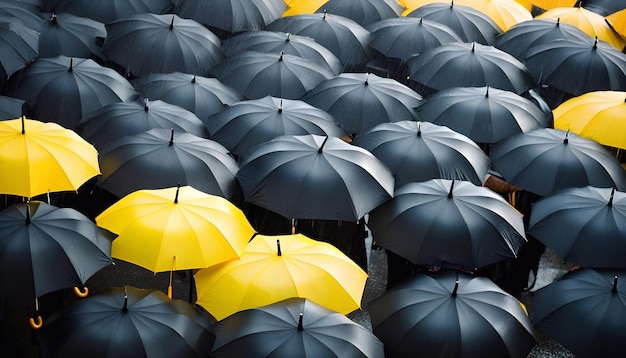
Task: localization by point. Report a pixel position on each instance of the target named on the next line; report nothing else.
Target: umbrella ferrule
(172, 138)
(193, 80)
(172, 23)
(300, 326)
(177, 191)
(280, 106)
(71, 67)
(456, 288)
(125, 307)
(23, 125)
(322, 146)
(451, 188)
(278, 251)
(614, 288)
(145, 104)
(419, 129)
(610, 203)
(28, 219)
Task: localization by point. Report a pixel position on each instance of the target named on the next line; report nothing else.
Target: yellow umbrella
(411, 5)
(618, 21)
(599, 115)
(277, 267)
(551, 4)
(298, 7)
(505, 13)
(38, 158)
(587, 21)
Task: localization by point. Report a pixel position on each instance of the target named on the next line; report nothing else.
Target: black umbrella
(451, 314)
(602, 7)
(127, 322)
(445, 223)
(107, 11)
(13, 9)
(295, 327)
(314, 177)
(585, 311)
(546, 160)
(360, 101)
(485, 115)
(63, 89)
(149, 43)
(72, 36)
(586, 226)
(121, 119)
(11, 108)
(247, 124)
(420, 151)
(19, 46)
(363, 12)
(203, 96)
(162, 158)
(258, 74)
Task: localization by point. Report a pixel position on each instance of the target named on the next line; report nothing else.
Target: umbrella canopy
(584, 311)
(121, 119)
(258, 74)
(149, 43)
(617, 21)
(38, 158)
(445, 223)
(363, 12)
(247, 124)
(584, 225)
(294, 327)
(602, 7)
(65, 89)
(11, 107)
(314, 177)
(469, 65)
(597, 115)
(276, 267)
(15, 10)
(107, 11)
(551, 4)
(546, 160)
(201, 95)
(127, 322)
(70, 35)
(485, 115)
(360, 101)
(162, 158)
(176, 228)
(451, 314)
(468, 23)
(420, 151)
(44, 248)
(505, 13)
(19, 46)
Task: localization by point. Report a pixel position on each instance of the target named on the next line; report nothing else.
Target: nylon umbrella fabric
(617, 21)
(451, 314)
(420, 151)
(45, 248)
(505, 13)
(314, 177)
(296, 327)
(19, 46)
(363, 12)
(107, 11)
(13, 10)
(246, 124)
(360, 101)
(65, 89)
(38, 158)
(551, 4)
(276, 267)
(150, 43)
(444, 223)
(602, 7)
(584, 311)
(583, 225)
(11, 108)
(127, 322)
(70, 35)
(546, 160)
(162, 158)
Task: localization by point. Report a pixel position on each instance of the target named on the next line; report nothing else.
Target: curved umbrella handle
(80, 294)
(36, 323)
(169, 291)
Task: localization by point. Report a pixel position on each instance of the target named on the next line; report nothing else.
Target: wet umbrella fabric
(451, 314)
(420, 151)
(150, 43)
(585, 226)
(295, 327)
(19, 46)
(445, 223)
(72, 36)
(127, 322)
(546, 160)
(44, 248)
(584, 311)
(107, 11)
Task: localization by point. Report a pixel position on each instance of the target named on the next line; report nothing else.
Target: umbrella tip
(322, 146)
(421, 20)
(487, 92)
(451, 188)
(71, 68)
(177, 191)
(278, 251)
(28, 220)
(367, 75)
(288, 37)
(595, 43)
(172, 138)
(611, 197)
(23, 125)
(419, 129)
(473, 46)
(300, 318)
(145, 104)
(172, 23)
(282, 53)
(456, 287)
(614, 289)
(558, 21)
(566, 140)
(125, 308)
(53, 17)
(451, 3)
(324, 16)
(280, 106)
(193, 79)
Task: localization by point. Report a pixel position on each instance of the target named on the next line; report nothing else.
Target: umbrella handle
(81, 294)
(169, 291)
(36, 324)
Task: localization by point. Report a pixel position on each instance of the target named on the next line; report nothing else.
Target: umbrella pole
(191, 285)
(169, 288)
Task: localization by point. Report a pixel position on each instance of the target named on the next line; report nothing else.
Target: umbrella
(107, 11)
(127, 322)
(72, 36)
(44, 248)
(363, 12)
(247, 124)
(469, 65)
(584, 311)
(444, 223)
(294, 327)
(602, 7)
(13, 10)
(201, 95)
(584, 225)
(505, 13)
(360, 101)
(277, 42)
(11, 107)
(38, 158)
(451, 314)
(420, 151)
(149, 43)
(276, 267)
(18, 48)
(65, 89)
(117, 120)
(314, 177)
(617, 21)
(551, 4)
(546, 160)
(343, 37)
(258, 74)
(468, 23)
(161, 158)
(485, 115)
(597, 115)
